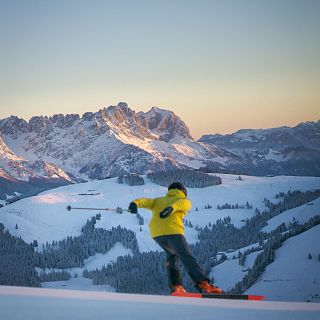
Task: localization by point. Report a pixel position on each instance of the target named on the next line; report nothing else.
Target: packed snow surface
(50, 304)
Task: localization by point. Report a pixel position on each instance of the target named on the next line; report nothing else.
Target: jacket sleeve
(182, 205)
(146, 203)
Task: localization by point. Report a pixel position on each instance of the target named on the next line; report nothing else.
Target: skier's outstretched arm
(146, 203)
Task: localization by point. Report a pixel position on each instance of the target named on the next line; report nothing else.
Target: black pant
(176, 248)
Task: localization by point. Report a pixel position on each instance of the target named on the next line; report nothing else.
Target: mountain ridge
(273, 151)
(117, 140)
(102, 144)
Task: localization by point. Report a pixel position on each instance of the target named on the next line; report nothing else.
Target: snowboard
(218, 296)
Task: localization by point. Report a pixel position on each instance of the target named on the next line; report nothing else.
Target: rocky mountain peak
(166, 123)
(88, 116)
(120, 113)
(46, 124)
(117, 140)
(13, 126)
(39, 124)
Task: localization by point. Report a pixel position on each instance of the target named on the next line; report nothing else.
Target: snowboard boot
(177, 289)
(209, 288)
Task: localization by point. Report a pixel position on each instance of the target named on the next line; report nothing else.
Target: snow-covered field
(44, 218)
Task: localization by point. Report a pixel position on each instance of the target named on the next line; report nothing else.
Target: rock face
(165, 124)
(115, 140)
(19, 176)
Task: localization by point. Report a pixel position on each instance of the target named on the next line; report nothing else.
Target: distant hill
(277, 151)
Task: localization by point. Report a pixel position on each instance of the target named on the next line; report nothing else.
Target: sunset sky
(220, 65)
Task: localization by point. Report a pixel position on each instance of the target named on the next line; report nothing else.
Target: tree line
(291, 200)
(132, 179)
(72, 251)
(16, 261)
(19, 260)
(190, 178)
(234, 206)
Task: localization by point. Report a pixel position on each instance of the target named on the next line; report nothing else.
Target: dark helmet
(179, 186)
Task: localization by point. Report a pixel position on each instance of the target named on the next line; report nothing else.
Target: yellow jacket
(174, 223)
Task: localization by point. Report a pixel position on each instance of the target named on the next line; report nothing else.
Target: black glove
(166, 212)
(133, 208)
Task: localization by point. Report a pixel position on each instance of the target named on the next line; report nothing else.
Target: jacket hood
(176, 193)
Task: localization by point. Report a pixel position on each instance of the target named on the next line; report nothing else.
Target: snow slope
(292, 274)
(44, 217)
(228, 273)
(291, 277)
(301, 214)
(49, 304)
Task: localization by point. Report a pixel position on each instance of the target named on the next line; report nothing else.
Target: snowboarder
(167, 229)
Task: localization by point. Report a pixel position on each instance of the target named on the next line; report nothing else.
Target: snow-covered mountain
(44, 218)
(21, 176)
(116, 140)
(112, 141)
(25, 170)
(283, 150)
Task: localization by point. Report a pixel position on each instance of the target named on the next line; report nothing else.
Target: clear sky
(220, 65)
